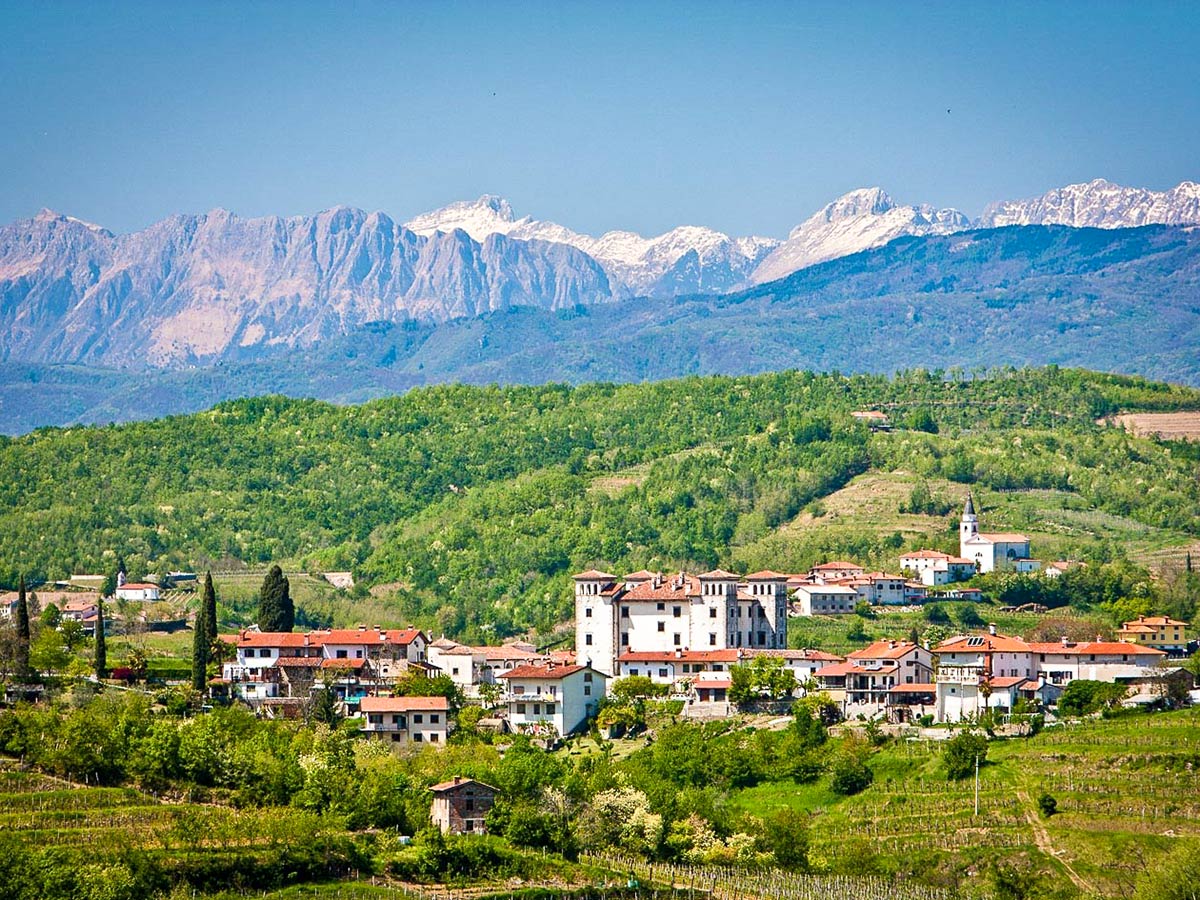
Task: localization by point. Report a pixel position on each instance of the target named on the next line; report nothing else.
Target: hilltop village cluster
(687, 633)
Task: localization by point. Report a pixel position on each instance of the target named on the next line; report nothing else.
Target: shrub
(960, 754)
(1048, 805)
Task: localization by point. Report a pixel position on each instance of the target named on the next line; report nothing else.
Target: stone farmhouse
(461, 805)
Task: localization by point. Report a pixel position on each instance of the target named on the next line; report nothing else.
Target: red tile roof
(642, 575)
(506, 652)
(670, 588)
(403, 704)
(925, 554)
(884, 650)
(719, 575)
(456, 783)
(836, 564)
(299, 662)
(548, 672)
(1099, 648)
(1155, 620)
(687, 656)
(985, 643)
(766, 575)
(137, 586)
(1004, 537)
(594, 575)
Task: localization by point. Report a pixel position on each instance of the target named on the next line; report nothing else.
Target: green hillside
(468, 508)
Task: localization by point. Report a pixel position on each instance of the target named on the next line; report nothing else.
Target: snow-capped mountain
(199, 287)
(202, 287)
(689, 259)
(1100, 204)
(859, 220)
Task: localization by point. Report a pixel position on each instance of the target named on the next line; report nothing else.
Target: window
(712, 639)
(537, 709)
(624, 638)
(469, 824)
(762, 638)
(587, 676)
(433, 738)
(433, 718)
(418, 718)
(662, 673)
(587, 613)
(454, 670)
(660, 606)
(662, 626)
(624, 612)
(549, 709)
(520, 709)
(395, 737)
(676, 639)
(358, 654)
(587, 689)
(587, 639)
(712, 612)
(341, 654)
(418, 737)
(469, 804)
(676, 612)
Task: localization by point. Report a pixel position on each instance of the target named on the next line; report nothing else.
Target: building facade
(989, 551)
(461, 805)
(552, 700)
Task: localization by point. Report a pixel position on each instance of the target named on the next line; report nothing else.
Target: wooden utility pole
(976, 784)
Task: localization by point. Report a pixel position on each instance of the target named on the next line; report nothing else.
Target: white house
(269, 665)
(138, 591)
(825, 599)
(552, 700)
(864, 681)
(935, 568)
(405, 720)
(990, 551)
(978, 672)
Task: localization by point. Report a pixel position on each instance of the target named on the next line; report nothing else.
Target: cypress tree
(200, 640)
(101, 647)
(22, 629)
(208, 609)
(276, 611)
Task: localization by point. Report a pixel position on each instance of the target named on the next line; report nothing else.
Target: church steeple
(969, 526)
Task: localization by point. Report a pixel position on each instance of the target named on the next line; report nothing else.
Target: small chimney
(457, 779)
(1065, 642)
(992, 628)
(891, 645)
(678, 653)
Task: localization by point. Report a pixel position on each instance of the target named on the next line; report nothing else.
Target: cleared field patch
(1173, 426)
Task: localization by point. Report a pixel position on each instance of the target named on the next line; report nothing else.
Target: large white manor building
(991, 552)
(652, 612)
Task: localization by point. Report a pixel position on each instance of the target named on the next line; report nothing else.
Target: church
(991, 552)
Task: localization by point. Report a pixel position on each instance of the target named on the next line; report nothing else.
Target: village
(687, 636)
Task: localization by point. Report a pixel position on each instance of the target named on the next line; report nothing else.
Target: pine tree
(275, 609)
(101, 647)
(200, 641)
(208, 609)
(22, 630)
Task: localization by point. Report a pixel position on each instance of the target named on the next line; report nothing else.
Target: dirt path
(1042, 838)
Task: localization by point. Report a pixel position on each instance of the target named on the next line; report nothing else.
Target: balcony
(959, 675)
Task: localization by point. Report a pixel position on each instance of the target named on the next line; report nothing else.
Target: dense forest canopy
(476, 504)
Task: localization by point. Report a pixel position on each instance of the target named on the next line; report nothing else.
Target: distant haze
(741, 118)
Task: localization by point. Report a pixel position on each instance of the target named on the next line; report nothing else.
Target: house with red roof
(354, 661)
(406, 720)
(863, 682)
(980, 672)
(1160, 632)
(551, 700)
(935, 568)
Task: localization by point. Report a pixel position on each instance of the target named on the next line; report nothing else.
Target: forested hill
(474, 505)
(1121, 300)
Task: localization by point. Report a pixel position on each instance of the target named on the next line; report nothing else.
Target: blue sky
(743, 117)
